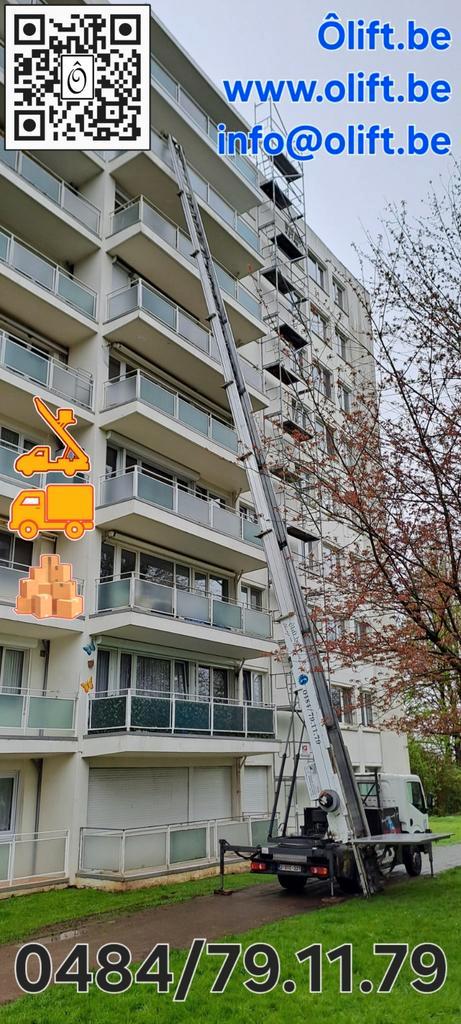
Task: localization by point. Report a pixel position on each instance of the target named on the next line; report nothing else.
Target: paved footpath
(210, 917)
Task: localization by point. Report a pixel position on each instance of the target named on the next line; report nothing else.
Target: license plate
(290, 867)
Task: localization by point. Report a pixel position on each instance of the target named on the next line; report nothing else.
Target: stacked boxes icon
(49, 590)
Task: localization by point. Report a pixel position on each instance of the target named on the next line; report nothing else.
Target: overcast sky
(250, 38)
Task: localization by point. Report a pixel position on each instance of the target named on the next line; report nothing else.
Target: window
(7, 801)
(12, 664)
(318, 324)
(342, 345)
(366, 709)
(317, 271)
(311, 555)
(322, 380)
(115, 368)
(325, 438)
(152, 674)
(361, 629)
(212, 682)
(339, 294)
(334, 629)
(102, 671)
(416, 796)
(14, 551)
(111, 460)
(252, 597)
(344, 398)
(331, 561)
(253, 687)
(341, 697)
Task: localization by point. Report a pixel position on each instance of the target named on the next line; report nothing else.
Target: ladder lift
(347, 845)
(38, 459)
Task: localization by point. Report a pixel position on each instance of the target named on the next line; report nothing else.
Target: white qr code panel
(77, 77)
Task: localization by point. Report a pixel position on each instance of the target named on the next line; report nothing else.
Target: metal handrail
(57, 271)
(52, 367)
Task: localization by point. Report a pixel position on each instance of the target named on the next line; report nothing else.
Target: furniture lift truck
(337, 842)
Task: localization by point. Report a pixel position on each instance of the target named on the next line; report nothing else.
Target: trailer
(336, 842)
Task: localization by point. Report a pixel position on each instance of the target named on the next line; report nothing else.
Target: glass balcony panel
(225, 521)
(228, 718)
(192, 507)
(79, 208)
(8, 457)
(214, 350)
(192, 716)
(155, 491)
(76, 294)
(259, 831)
(8, 156)
(153, 597)
(113, 594)
(234, 831)
(227, 616)
(184, 246)
(224, 435)
(164, 78)
(36, 856)
(145, 850)
(221, 207)
(28, 263)
(29, 364)
(249, 302)
(107, 713)
(189, 844)
(117, 488)
(153, 394)
(193, 606)
(159, 146)
(195, 418)
(226, 282)
(257, 623)
(159, 225)
(196, 113)
(193, 332)
(40, 178)
(250, 532)
(260, 721)
(120, 391)
(5, 848)
(212, 131)
(199, 185)
(159, 307)
(11, 710)
(248, 233)
(122, 302)
(150, 712)
(4, 246)
(50, 713)
(101, 852)
(125, 217)
(246, 168)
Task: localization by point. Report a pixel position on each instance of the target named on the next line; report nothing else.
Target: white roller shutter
(255, 790)
(211, 793)
(134, 797)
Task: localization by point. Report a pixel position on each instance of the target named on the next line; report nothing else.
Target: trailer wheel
(28, 529)
(74, 530)
(412, 860)
(292, 883)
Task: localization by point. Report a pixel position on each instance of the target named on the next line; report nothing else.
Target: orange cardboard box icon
(48, 592)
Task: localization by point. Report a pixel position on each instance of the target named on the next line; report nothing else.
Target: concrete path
(210, 917)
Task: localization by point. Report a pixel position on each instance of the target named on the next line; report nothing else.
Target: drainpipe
(38, 762)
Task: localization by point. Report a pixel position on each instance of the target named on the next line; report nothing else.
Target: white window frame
(14, 802)
(340, 295)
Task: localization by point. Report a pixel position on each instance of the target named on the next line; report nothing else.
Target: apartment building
(101, 308)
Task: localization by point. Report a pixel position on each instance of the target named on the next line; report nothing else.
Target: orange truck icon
(68, 508)
(38, 459)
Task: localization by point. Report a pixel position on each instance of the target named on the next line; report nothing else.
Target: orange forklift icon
(38, 459)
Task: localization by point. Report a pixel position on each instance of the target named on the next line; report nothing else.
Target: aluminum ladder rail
(329, 776)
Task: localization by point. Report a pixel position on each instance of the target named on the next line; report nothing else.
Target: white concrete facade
(101, 308)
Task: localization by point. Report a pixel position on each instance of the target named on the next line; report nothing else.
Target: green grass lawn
(423, 910)
(22, 916)
(451, 823)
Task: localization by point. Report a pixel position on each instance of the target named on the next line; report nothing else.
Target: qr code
(77, 78)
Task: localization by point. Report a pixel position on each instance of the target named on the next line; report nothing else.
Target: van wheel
(413, 861)
(74, 531)
(292, 883)
(28, 529)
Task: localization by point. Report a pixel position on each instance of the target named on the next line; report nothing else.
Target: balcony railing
(199, 116)
(139, 295)
(137, 386)
(153, 850)
(8, 455)
(34, 365)
(143, 595)
(157, 490)
(32, 712)
(10, 574)
(54, 188)
(50, 276)
(157, 711)
(141, 211)
(33, 857)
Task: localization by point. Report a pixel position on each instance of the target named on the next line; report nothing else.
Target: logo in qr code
(77, 78)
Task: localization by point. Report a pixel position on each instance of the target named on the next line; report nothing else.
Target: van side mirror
(430, 802)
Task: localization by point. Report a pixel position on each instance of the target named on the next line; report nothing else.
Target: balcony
(140, 504)
(160, 712)
(33, 859)
(159, 330)
(26, 368)
(157, 247)
(141, 609)
(42, 294)
(178, 114)
(28, 625)
(38, 205)
(185, 431)
(232, 238)
(140, 852)
(36, 718)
